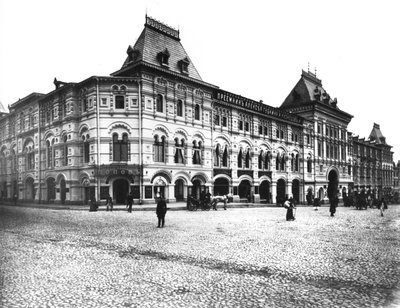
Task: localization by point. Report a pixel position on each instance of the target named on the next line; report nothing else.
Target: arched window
(86, 149)
(278, 159)
(296, 163)
(159, 103)
(124, 148)
(159, 149)
(30, 157)
(240, 159)
(179, 108)
(120, 148)
(49, 154)
(179, 151)
(2, 163)
(260, 160)
(217, 153)
(292, 164)
(197, 112)
(247, 160)
(65, 151)
(225, 157)
(267, 164)
(197, 153)
(309, 164)
(283, 158)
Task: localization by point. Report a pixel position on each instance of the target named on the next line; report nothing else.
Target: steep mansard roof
(376, 135)
(159, 38)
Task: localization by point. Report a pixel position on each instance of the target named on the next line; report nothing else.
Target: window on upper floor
(159, 103)
(225, 157)
(224, 121)
(240, 125)
(163, 57)
(159, 148)
(119, 102)
(246, 126)
(86, 149)
(65, 151)
(260, 130)
(197, 112)
(184, 65)
(120, 148)
(247, 159)
(240, 159)
(197, 153)
(179, 108)
(309, 164)
(217, 154)
(179, 157)
(217, 120)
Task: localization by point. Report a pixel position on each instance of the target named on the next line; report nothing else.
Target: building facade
(155, 126)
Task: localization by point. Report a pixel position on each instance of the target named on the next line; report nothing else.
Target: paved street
(235, 258)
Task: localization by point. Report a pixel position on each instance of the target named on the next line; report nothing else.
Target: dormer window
(184, 65)
(133, 54)
(163, 57)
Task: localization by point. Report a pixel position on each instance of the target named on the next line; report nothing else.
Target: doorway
(120, 190)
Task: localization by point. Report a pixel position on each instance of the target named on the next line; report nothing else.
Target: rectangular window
(240, 125)
(119, 102)
(321, 168)
(319, 149)
(104, 102)
(319, 128)
(224, 121)
(247, 126)
(266, 130)
(282, 135)
(308, 139)
(134, 102)
(260, 130)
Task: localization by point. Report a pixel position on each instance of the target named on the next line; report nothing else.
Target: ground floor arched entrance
(29, 189)
(296, 190)
(245, 190)
(63, 191)
(120, 190)
(179, 190)
(265, 194)
(196, 189)
(221, 187)
(51, 189)
(280, 191)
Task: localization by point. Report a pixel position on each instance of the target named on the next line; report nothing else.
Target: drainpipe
(140, 143)
(98, 138)
(39, 160)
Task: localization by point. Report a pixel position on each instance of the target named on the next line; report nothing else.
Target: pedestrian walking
(382, 205)
(289, 206)
(161, 210)
(93, 205)
(334, 202)
(129, 202)
(109, 203)
(316, 203)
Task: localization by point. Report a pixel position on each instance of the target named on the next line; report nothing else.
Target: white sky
(253, 48)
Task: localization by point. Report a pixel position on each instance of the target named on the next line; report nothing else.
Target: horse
(216, 199)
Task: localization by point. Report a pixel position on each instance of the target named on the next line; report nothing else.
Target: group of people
(161, 209)
(290, 205)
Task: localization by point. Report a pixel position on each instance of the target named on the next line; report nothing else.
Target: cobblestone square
(242, 257)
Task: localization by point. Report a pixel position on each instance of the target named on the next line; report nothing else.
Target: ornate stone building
(155, 126)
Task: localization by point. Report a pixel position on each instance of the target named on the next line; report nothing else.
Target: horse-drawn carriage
(206, 203)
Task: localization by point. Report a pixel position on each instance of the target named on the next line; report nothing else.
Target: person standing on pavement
(129, 202)
(382, 205)
(334, 202)
(316, 203)
(289, 206)
(161, 210)
(109, 203)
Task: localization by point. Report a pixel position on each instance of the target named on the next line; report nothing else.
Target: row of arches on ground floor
(178, 189)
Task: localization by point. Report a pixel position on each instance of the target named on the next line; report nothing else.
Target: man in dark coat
(129, 201)
(161, 211)
(334, 202)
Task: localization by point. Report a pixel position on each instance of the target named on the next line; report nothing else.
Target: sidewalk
(175, 206)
